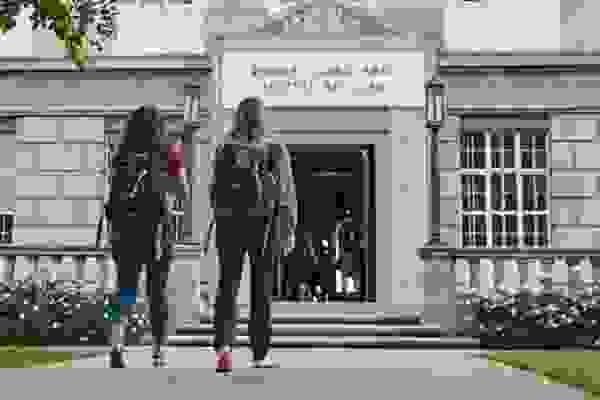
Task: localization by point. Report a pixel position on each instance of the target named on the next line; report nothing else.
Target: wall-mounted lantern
(435, 103)
(435, 116)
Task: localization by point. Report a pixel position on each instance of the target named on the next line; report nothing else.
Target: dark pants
(300, 269)
(235, 237)
(129, 257)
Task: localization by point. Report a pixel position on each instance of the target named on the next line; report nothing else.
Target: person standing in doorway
(254, 202)
(346, 253)
(302, 268)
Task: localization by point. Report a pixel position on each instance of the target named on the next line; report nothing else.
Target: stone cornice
(519, 62)
(153, 62)
(89, 111)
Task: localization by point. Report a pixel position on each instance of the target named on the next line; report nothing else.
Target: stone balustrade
(86, 263)
(486, 272)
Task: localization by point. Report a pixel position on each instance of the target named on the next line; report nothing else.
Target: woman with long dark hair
(242, 229)
(143, 237)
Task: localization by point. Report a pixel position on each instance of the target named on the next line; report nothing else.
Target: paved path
(345, 374)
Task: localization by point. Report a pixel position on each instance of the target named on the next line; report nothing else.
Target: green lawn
(568, 367)
(27, 357)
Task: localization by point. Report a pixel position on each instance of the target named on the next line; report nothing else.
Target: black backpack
(133, 200)
(244, 177)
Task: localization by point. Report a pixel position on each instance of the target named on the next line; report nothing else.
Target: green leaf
(6, 23)
(56, 8)
(79, 49)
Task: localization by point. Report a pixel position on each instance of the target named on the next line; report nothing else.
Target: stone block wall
(7, 163)
(575, 199)
(58, 186)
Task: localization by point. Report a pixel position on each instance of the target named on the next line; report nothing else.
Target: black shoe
(159, 360)
(116, 359)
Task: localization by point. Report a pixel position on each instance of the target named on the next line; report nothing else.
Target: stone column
(434, 190)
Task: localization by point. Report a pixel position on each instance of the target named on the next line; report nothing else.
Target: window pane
(510, 192)
(473, 192)
(496, 150)
(504, 230)
(509, 150)
(474, 232)
(534, 193)
(535, 230)
(540, 151)
(472, 152)
(526, 151)
(503, 149)
(496, 192)
(533, 149)
(512, 229)
(504, 192)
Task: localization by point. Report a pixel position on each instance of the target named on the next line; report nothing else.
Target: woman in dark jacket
(134, 245)
(244, 232)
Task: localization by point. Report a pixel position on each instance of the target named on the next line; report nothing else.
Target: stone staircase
(330, 326)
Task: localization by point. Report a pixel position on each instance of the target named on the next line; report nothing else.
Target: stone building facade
(507, 101)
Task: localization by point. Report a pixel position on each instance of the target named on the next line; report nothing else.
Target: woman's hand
(289, 244)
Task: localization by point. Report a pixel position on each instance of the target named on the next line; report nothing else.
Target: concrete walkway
(345, 374)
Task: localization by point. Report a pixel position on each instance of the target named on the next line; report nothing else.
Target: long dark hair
(247, 117)
(144, 128)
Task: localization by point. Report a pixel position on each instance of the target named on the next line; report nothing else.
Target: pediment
(324, 17)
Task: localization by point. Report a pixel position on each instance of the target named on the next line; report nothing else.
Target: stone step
(329, 330)
(337, 342)
(317, 318)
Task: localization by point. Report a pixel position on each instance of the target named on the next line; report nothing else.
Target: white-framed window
(504, 178)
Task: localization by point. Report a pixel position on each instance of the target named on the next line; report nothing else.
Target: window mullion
(488, 186)
(519, 186)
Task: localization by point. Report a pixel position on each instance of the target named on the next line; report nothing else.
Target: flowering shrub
(546, 319)
(59, 312)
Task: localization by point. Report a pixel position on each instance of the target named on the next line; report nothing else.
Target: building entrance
(334, 252)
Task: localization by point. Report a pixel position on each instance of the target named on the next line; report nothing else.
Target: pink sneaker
(224, 362)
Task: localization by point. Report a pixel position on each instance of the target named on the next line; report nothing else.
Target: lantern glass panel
(187, 111)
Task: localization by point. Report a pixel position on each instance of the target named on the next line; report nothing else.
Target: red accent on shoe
(224, 361)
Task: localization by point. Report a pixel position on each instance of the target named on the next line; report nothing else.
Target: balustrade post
(107, 266)
(534, 273)
(6, 269)
(561, 275)
(12, 268)
(485, 277)
(574, 286)
(546, 273)
(463, 275)
(511, 276)
(586, 274)
(80, 261)
(34, 260)
(57, 261)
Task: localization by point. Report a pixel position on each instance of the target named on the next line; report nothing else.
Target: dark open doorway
(334, 183)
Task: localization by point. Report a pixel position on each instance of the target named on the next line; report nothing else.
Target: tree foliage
(69, 20)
